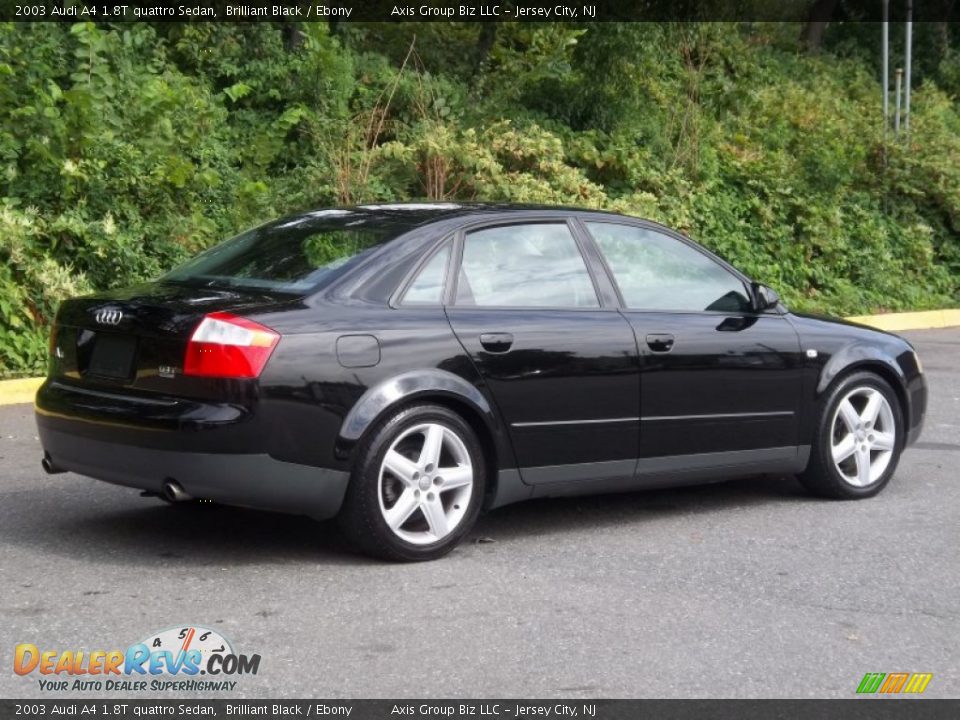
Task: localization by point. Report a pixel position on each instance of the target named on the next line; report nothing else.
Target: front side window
(657, 272)
(531, 265)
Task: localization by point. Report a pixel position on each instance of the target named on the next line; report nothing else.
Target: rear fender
(383, 398)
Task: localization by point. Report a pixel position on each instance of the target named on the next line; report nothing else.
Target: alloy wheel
(425, 483)
(863, 436)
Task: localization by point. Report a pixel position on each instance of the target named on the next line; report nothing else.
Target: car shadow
(160, 534)
(572, 514)
(80, 525)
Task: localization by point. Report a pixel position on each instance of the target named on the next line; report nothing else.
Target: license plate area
(112, 356)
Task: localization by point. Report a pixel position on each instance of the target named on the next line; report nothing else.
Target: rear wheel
(417, 485)
(859, 439)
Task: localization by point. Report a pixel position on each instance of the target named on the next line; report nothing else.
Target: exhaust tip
(48, 467)
(173, 492)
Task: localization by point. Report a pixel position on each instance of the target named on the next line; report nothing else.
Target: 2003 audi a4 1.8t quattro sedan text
(403, 367)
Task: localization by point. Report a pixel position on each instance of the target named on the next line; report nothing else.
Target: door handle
(660, 343)
(498, 342)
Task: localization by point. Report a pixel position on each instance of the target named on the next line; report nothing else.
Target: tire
(402, 508)
(836, 471)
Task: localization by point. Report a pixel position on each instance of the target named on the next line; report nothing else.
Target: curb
(23, 390)
(19, 391)
(924, 320)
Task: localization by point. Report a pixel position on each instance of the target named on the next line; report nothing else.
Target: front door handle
(660, 342)
(497, 342)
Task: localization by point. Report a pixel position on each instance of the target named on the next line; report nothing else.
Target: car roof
(408, 215)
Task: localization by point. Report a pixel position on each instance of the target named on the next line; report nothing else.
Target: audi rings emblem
(109, 316)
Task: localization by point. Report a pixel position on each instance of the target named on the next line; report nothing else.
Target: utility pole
(906, 108)
(896, 115)
(886, 73)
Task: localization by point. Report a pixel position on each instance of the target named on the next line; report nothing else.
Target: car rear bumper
(115, 443)
(257, 481)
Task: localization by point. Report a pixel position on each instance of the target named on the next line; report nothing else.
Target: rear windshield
(296, 256)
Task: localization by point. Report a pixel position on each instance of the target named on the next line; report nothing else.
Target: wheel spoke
(402, 468)
(436, 517)
(849, 415)
(845, 448)
(883, 441)
(454, 477)
(872, 408)
(863, 467)
(432, 445)
(402, 509)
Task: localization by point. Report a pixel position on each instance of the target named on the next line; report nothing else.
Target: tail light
(228, 346)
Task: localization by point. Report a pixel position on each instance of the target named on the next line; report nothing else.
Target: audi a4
(405, 367)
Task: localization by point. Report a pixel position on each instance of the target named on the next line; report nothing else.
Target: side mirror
(764, 298)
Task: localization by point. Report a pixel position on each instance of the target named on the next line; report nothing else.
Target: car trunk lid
(136, 338)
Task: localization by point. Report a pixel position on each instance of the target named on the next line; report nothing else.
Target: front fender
(835, 347)
(899, 365)
(858, 353)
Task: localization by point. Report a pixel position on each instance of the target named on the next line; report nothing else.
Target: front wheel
(859, 439)
(417, 485)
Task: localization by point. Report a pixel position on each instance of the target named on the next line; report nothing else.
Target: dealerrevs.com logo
(170, 660)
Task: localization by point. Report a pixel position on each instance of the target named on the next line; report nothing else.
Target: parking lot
(742, 589)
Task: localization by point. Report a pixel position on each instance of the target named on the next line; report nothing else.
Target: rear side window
(290, 257)
(532, 265)
(657, 272)
(427, 286)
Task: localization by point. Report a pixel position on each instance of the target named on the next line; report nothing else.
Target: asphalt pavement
(749, 588)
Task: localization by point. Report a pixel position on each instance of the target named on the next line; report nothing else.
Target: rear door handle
(498, 342)
(660, 342)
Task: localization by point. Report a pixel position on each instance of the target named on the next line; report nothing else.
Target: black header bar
(465, 10)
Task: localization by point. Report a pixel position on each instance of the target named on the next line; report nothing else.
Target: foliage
(126, 148)
(26, 267)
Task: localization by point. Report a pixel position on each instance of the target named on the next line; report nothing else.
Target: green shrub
(126, 148)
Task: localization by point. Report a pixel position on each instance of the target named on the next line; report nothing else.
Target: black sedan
(404, 367)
